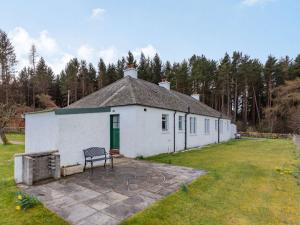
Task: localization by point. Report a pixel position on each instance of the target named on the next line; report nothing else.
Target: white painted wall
(140, 132)
(81, 131)
(18, 168)
(41, 132)
(233, 130)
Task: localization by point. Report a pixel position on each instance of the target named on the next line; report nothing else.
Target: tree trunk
(256, 105)
(228, 98)
(3, 137)
(235, 101)
(245, 102)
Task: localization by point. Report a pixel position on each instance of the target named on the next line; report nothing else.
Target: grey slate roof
(131, 91)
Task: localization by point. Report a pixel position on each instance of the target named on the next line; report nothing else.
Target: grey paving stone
(76, 212)
(155, 189)
(99, 219)
(96, 203)
(150, 195)
(84, 195)
(120, 210)
(112, 197)
(61, 202)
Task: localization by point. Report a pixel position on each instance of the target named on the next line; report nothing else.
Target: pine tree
(120, 68)
(44, 77)
(295, 68)
(33, 60)
(144, 68)
(102, 77)
(269, 74)
(69, 80)
(112, 75)
(156, 68)
(224, 83)
(130, 60)
(7, 65)
(83, 78)
(91, 79)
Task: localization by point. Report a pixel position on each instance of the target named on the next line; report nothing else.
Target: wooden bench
(94, 154)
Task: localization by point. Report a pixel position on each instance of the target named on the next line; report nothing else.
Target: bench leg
(112, 162)
(84, 165)
(105, 163)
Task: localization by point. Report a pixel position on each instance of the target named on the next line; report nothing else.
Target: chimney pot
(165, 84)
(130, 72)
(196, 96)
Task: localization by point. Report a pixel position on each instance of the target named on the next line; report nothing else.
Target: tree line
(237, 85)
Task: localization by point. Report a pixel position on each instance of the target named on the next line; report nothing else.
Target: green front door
(114, 132)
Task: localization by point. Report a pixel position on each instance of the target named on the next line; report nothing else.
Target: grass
(243, 186)
(15, 137)
(9, 215)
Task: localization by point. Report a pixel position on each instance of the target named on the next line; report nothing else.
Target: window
(221, 126)
(216, 125)
(116, 121)
(180, 123)
(193, 125)
(165, 122)
(206, 126)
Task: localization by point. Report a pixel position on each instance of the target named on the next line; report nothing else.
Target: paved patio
(108, 196)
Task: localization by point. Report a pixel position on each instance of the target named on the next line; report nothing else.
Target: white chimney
(165, 84)
(130, 72)
(196, 96)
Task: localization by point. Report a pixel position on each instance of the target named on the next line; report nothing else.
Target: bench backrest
(94, 151)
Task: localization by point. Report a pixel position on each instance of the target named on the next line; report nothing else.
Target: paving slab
(99, 219)
(107, 196)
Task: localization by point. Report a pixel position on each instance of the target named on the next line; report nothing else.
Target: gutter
(185, 128)
(219, 128)
(174, 131)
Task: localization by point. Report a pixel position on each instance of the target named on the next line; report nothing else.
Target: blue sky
(175, 29)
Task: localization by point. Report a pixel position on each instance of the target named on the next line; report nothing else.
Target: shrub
(25, 201)
(139, 157)
(184, 188)
(265, 135)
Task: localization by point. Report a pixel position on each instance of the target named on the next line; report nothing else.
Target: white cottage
(131, 116)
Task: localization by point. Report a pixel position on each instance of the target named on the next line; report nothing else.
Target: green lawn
(8, 213)
(243, 186)
(15, 137)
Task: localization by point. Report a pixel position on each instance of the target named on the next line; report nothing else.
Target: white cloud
(109, 55)
(255, 2)
(46, 46)
(149, 51)
(97, 12)
(59, 63)
(57, 57)
(45, 43)
(85, 52)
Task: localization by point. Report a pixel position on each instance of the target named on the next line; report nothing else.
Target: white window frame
(206, 126)
(165, 118)
(216, 125)
(221, 126)
(180, 123)
(193, 125)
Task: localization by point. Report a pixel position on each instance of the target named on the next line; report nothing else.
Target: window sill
(193, 134)
(165, 132)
